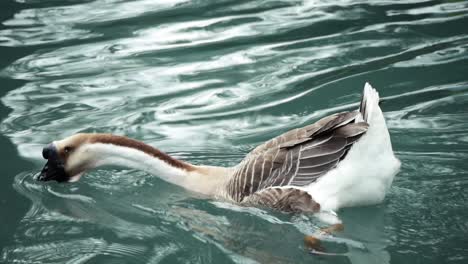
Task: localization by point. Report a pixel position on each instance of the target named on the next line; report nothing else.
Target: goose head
(67, 159)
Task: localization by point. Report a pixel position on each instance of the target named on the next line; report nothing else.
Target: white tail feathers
(369, 103)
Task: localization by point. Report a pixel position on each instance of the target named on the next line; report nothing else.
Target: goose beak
(54, 169)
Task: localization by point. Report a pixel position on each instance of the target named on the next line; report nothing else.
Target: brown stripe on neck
(131, 143)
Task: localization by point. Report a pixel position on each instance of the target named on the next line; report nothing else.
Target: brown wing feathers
(284, 199)
(298, 157)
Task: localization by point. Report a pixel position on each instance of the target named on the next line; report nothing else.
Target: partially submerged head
(67, 159)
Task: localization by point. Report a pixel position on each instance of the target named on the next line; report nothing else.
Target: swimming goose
(345, 159)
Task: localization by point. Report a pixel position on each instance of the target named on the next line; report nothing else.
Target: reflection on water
(206, 81)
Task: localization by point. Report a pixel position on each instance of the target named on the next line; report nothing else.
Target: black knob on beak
(47, 151)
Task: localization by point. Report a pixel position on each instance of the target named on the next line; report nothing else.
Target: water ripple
(221, 77)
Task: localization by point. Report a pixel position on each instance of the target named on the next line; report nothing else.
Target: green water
(206, 81)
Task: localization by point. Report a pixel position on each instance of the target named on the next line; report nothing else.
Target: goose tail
(366, 173)
(369, 107)
(377, 139)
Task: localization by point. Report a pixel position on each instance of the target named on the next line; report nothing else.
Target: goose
(342, 160)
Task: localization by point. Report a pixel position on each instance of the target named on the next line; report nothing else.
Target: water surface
(206, 81)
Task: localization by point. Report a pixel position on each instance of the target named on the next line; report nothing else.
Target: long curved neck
(109, 154)
(130, 153)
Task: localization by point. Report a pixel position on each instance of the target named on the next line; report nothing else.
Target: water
(206, 81)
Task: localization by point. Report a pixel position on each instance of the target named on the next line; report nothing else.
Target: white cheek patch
(75, 178)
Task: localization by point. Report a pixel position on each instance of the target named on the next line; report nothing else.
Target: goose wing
(283, 199)
(295, 158)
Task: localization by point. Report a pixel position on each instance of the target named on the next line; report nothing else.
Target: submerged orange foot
(332, 228)
(313, 242)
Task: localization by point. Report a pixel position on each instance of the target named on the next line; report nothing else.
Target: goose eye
(68, 149)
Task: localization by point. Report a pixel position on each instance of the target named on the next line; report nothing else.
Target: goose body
(342, 160)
